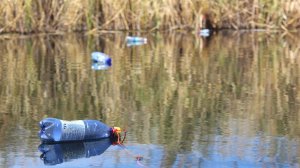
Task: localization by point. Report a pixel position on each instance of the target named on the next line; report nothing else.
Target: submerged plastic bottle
(56, 130)
(131, 39)
(53, 154)
(101, 58)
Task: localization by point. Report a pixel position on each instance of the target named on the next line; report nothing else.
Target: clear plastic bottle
(56, 130)
(131, 39)
(101, 58)
(204, 32)
(53, 154)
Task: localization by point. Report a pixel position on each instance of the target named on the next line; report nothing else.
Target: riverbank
(32, 16)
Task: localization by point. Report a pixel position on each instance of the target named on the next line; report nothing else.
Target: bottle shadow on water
(53, 154)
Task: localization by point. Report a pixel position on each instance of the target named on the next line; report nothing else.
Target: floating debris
(133, 39)
(100, 61)
(204, 32)
(54, 130)
(101, 58)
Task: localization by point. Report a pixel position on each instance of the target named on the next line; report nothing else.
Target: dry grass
(26, 16)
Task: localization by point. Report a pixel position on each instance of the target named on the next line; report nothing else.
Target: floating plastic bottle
(53, 154)
(55, 130)
(101, 58)
(131, 39)
(204, 32)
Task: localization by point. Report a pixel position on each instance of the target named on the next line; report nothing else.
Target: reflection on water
(53, 154)
(136, 43)
(229, 100)
(99, 66)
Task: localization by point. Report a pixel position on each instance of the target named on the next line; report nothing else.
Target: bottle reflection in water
(53, 154)
(137, 43)
(97, 66)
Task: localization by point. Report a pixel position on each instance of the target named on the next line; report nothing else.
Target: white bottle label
(72, 130)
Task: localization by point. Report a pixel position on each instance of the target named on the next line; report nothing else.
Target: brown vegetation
(25, 16)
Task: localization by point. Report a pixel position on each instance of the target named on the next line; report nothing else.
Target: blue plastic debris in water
(56, 130)
(53, 154)
(101, 58)
(131, 39)
(204, 32)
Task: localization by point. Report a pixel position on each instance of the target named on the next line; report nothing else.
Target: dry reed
(26, 16)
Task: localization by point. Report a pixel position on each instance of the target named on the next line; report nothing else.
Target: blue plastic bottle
(58, 153)
(101, 58)
(56, 130)
(131, 39)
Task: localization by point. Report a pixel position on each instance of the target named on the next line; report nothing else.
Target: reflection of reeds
(170, 91)
(77, 15)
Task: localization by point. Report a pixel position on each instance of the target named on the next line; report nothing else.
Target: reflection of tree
(171, 91)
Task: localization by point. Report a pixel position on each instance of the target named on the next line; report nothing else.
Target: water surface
(230, 100)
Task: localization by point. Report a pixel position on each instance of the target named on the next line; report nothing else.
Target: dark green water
(226, 101)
